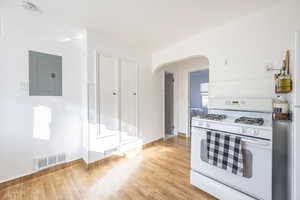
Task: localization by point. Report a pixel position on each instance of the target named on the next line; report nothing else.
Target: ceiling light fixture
(30, 6)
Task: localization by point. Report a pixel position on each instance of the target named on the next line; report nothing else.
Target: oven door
(257, 179)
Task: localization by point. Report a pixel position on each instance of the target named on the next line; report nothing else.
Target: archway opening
(184, 98)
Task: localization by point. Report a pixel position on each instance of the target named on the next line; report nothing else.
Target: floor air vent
(42, 163)
(49, 161)
(52, 160)
(61, 157)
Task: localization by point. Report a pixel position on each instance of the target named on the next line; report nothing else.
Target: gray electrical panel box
(45, 74)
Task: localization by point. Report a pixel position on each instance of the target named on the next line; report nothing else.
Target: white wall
(248, 44)
(84, 99)
(150, 93)
(69, 124)
(18, 144)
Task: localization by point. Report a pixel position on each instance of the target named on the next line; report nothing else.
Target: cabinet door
(129, 100)
(107, 101)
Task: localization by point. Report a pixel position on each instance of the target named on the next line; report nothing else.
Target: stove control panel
(250, 131)
(234, 102)
(241, 129)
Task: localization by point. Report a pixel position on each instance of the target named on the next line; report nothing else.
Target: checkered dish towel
(225, 151)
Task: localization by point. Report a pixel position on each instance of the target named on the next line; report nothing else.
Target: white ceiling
(145, 24)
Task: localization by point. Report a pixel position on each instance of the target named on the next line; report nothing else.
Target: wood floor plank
(160, 172)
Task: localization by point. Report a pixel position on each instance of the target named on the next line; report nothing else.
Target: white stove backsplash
(246, 104)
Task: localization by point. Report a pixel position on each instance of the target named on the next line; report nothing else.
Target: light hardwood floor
(160, 172)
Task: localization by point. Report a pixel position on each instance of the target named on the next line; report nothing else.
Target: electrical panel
(45, 74)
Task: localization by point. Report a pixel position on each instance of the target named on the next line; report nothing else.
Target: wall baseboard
(98, 163)
(153, 143)
(49, 170)
(180, 134)
(81, 162)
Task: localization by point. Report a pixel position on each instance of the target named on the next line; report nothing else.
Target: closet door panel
(108, 95)
(129, 100)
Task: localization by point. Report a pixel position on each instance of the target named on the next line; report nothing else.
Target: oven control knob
(207, 125)
(199, 124)
(243, 130)
(255, 132)
(251, 131)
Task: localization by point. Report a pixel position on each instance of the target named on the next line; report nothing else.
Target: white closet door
(129, 100)
(108, 92)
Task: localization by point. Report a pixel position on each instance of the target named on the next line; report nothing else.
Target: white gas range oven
(255, 131)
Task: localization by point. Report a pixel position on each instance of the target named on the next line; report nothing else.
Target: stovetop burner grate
(250, 121)
(214, 117)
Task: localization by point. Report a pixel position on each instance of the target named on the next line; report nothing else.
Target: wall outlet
(226, 62)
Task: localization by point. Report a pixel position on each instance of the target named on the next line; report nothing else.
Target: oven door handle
(257, 142)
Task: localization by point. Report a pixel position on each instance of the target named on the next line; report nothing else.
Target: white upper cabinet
(107, 75)
(129, 100)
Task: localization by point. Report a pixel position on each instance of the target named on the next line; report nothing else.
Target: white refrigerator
(296, 132)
